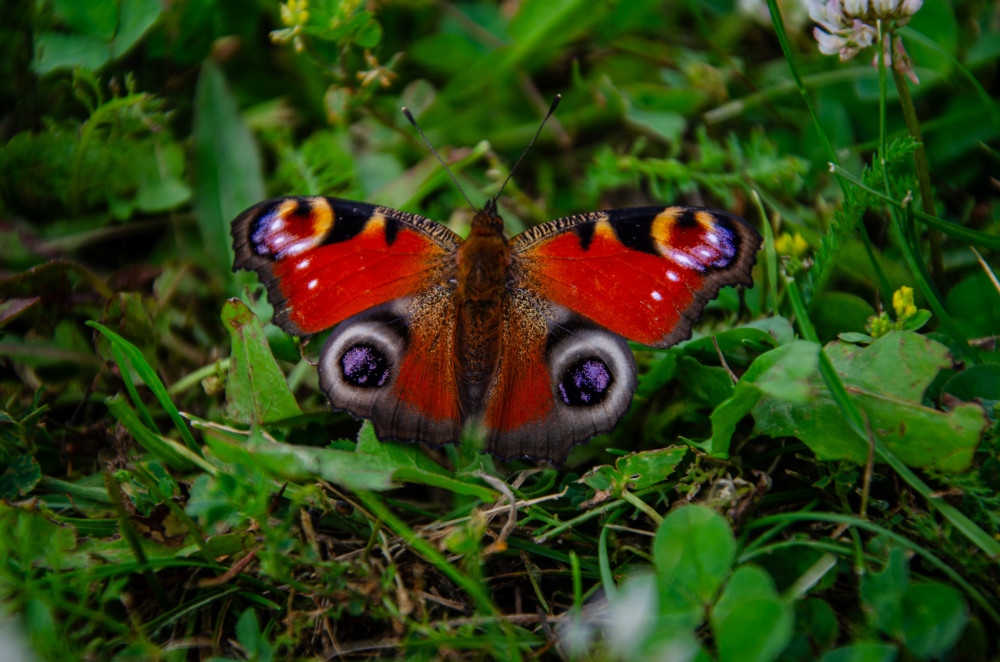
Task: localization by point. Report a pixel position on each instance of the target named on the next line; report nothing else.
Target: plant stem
(923, 168)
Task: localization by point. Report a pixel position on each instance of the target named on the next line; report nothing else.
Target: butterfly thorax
(483, 263)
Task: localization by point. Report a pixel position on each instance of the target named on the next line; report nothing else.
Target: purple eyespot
(364, 366)
(585, 383)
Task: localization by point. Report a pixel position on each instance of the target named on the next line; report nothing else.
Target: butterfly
(525, 336)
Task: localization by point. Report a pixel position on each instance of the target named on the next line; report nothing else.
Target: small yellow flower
(295, 12)
(793, 246)
(902, 303)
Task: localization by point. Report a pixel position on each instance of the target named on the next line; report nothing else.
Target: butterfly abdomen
(483, 260)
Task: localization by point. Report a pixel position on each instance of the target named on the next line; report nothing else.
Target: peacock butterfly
(524, 335)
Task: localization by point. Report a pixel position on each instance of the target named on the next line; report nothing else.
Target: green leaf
(249, 635)
(933, 618)
(978, 381)
(816, 628)
(887, 381)
(95, 19)
(750, 622)
(782, 373)
(975, 305)
(134, 18)
(256, 390)
(882, 592)
(304, 463)
(862, 652)
(693, 553)
(667, 126)
(636, 471)
(100, 32)
(67, 51)
(227, 164)
(412, 465)
(444, 52)
(835, 313)
(20, 477)
(758, 336)
(367, 468)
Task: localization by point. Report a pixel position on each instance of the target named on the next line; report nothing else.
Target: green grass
(175, 487)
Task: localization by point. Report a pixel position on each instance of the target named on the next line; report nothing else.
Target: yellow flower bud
(902, 303)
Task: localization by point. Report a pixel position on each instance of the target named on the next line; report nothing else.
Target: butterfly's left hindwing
(326, 259)
(394, 365)
(643, 273)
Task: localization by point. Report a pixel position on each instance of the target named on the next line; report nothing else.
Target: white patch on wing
(672, 275)
(656, 295)
(685, 260)
(302, 264)
(312, 284)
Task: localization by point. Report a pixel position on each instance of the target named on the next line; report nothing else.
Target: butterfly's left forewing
(326, 259)
(643, 273)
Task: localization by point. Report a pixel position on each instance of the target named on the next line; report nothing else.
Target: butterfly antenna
(409, 116)
(552, 109)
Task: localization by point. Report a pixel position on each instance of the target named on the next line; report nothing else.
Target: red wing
(559, 381)
(325, 259)
(644, 273)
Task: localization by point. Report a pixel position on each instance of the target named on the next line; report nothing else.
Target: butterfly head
(488, 221)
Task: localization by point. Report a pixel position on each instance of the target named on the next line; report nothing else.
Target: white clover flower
(847, 27)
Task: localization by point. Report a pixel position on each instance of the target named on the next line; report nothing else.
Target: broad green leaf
(99, 32)
(816, 628)
(862, 652)
(887, 381)
(758, 336)
(709, 383)
(782, 373)
(66, 51)
(975, 305)
(95, 19)
(934, 617)
(882, 592)
(444, 52)
(978, 381)
(134, 18)
(833, 313)
(693, 553)
(635, 471)
(256, 390)
(20, 477)
(667, 126)
(751, 623)
(227, 164)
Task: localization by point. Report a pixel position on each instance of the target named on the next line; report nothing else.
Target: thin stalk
(922, 166)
